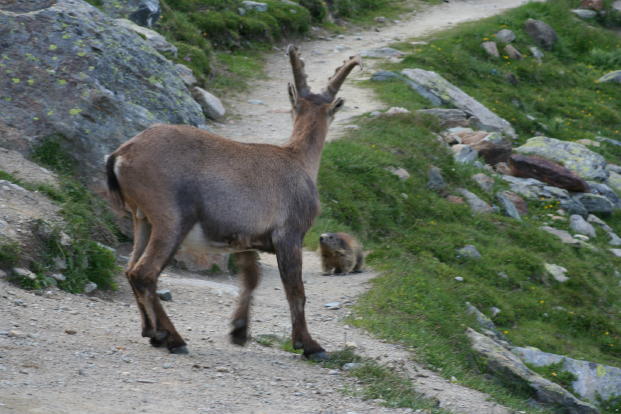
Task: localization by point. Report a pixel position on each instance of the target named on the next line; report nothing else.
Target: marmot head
(332, 241)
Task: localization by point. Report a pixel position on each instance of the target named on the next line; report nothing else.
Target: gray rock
(79, 75)
(505, 36)
(605, 191)
(476, 204)
(614, 76)
(609, 141)
(576, 157)
(58, 276)
(464, 154)
(581, 226)
(164, 294)
(584, 14)
(616, 252)
(399, 172)
(351, 365)
(468, 252)
(256, 102)
(593, 378)
(564, 236)
(491, 48)
(385, 75)
(507, 206)
(23, 169)
(513, 53)
(449, 118)
(534, 189)
(382, 52)
(557, 272)
(396, 110)
(332, 305)
(186, 75)
(484, 181)
(594, 203)
(90, 287)
(143, 12)
(156, 40)
(212, 107)
(449, 94)
(616, 6)
(537, 53)
(502, 363)
(483, 321)
(254, 5)
(25, 273)
(435, 180)
(541, 32)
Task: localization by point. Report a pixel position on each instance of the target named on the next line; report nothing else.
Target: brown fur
(341, 253)
(178, 180)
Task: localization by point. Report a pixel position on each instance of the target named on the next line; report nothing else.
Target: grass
(88, 223)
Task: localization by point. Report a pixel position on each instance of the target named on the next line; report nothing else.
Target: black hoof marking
(155, 343)
(318, 356)
(181, 350)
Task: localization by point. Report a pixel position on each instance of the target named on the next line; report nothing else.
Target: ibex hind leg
(163, 242)
(142, 230)
(250, 272)
(289, 256)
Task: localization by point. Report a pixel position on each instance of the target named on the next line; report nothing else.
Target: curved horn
(335, 82)
(299, 76)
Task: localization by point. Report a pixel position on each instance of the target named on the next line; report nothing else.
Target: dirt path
(62, 353)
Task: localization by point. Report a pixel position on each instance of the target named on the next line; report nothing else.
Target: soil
(63, 353)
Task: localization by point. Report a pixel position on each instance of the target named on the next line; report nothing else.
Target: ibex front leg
(248, 264)
(289, 256)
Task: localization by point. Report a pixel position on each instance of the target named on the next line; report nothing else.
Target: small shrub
(9, 254)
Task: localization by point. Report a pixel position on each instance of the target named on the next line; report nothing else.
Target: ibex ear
(336, 106)
(293, 95)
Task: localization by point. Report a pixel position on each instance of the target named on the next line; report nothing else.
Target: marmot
(340, 252)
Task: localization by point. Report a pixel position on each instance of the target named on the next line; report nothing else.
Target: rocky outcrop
(547, 171)
(14, 163)
(592, 379)
(575, 157)
(430, 83)
(76, 73)
(502, 363)
(542, 33)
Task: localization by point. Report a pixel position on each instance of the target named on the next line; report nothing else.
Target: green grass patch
(556, 373)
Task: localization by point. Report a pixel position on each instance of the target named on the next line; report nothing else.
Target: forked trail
(74, 354)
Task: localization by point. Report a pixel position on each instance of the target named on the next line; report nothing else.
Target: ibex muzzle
(178, 181)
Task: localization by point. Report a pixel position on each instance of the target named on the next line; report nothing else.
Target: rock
(164, 294)
(332, 305)
(153, 38)
(464, 154)
(75, 89)
(576, 157)
(459, 279)
(581, 226)
(537, 53)
(594, 203)
(58, 277)
(564, 236)
(495, 311)
(614, 76)
(616, 252)
(143, 12)
(484, 181)
(23, 169)
(505, 36)
(25, 273)
(512, 52)
(447, 93)
(588, 142)
(399, 172)
(491, 48)
(610, 141)
(476, 204)
(385, 75)
(395, 110)
(584, 14)
(541, 32)
(592, 379)
(605, 191)
(468, 252)
(592, 4)
(616, 6)
(254, 5)
(494, 148)
(535, 189)
(212, 107)
(380, 19)
(614, 181)
(502, 363)
(507, 205)
(382, 53)
(449, 118)
(483, 321)
(71, 331)
(550, 172)
(16, 334)
(351, 365)
(557, 272)
(90, 287)
(435, 180)
(186, 75)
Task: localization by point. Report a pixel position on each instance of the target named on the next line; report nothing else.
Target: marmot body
(340, 252)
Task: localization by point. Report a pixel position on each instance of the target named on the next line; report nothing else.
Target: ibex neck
(307, 139)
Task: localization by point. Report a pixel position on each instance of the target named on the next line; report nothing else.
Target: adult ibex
(183, 184)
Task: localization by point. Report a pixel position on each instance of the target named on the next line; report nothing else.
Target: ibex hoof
(159, 338)
(182, 350)
(318, 356)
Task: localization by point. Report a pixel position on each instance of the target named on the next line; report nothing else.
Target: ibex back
(242, 198)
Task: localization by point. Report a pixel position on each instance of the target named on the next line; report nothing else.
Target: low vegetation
(414, 234)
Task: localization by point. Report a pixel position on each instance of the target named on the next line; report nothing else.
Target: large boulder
(429, 83)
(143, 12)
(14, 163)
(77, 74)
(576, 157)
(504, 364)
(542, 33)
(547, 171)
(592, 379)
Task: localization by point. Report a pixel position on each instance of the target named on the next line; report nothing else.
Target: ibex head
(300, 95)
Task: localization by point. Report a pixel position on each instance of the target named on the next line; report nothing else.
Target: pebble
(70, 331)
(333, 372)
(351, 365)
(16, 334)
(164, 294)
(167, 365)
(256, 102)
(222, 369)
(332, 305)
(459, 278)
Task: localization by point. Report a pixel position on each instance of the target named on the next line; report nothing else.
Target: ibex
(182, 184)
